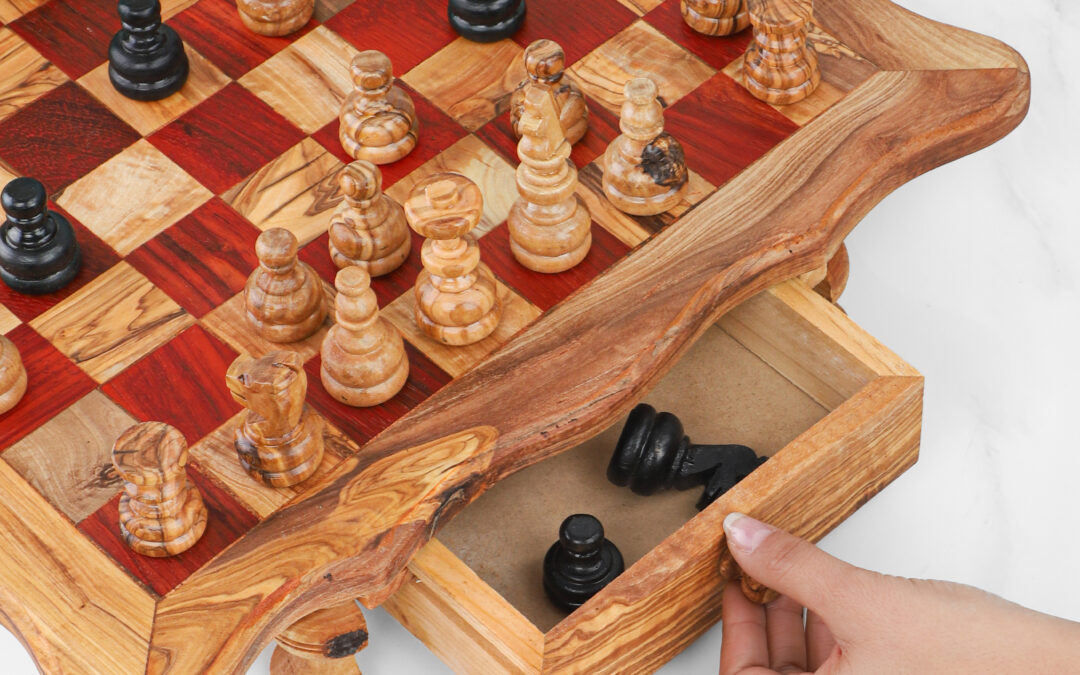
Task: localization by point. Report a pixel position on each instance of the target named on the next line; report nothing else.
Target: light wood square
(517, 314)
(112, 322)
(8, 321)
(639, 51)
(471, 82)
(24, 73)
(69, 458)
(641, 7)
(133, 197)
(6, 174)
(472, 158)
(308, 80)
(13, 9)
(170, 8)
(204, 80)
(297, 191)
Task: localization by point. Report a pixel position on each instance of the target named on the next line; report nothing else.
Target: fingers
(820, 643)
(787, 637)
(744, 645)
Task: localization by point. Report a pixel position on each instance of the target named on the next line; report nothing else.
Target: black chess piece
(38, 250)
(653, 453)
(486, 20)
(581, 563)
(147, 61)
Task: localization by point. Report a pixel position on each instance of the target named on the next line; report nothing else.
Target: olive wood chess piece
(780, 67)
(322, 643)
(378, 120)
(486, 20)
(147, 60)
(653, 454)
(550, 227)
(644, 167)
(280, 442)
(161, 511)
(457, 300)
(580, 563)
(275, 17)
(715, 17)
(368, 229)
(363, 355)
(545, 63)
(38, 250)
(12, 375)
(283, 298)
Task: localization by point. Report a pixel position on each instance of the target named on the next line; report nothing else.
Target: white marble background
(972, 274)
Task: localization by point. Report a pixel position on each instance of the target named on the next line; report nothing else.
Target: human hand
(863, 622)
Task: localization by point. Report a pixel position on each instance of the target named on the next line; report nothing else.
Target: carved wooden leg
(831, 280)
(322, 643)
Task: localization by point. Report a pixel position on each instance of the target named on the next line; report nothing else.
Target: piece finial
(361, 181)
(372, 71)
(545, 61)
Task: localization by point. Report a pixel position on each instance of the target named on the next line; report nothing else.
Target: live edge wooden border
(941, 93)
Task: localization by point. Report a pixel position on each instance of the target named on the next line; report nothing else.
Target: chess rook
(12, 375)
(378, 120)
(38, 250)
(368, 229)
(780, 67)
(715, 17)
(147, 61)
(283, 297)
(581, 563)
(280, 442)
(161, 511)
(457, 301)
(275, 17)
(486, 20)
(363, 355)
(644, 167)
(545, 63)
(550, 227)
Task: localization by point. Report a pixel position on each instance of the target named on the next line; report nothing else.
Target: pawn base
(149, 91)
(50, 284)
(10, 398)
(720, 26)
(148, 77)
(365, 397)
(494, 32)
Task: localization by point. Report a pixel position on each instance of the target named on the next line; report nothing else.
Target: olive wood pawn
(457, 300)
(161, 511)
(780, 67)
(378, 120)
(322, 643)
(283, 297)
(363, 355)
(12, 375)
(715, 17)
(550, 227)
(275, 17)
(368, 229)
(280, 442)
(644, 167)
(545, 63)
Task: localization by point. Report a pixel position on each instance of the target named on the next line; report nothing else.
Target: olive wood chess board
(167, 199)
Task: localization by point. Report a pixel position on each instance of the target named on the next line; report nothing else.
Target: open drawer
(786, 373)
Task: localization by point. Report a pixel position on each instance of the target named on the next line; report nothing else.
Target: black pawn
(486, 20)
(38, 251)
(146, 58)
(581, 563)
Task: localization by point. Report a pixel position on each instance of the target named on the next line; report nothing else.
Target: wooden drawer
(787, 373)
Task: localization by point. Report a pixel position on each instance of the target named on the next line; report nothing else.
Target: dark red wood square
(724, 129)
(62, 136)
(203, 260)
(226, 521)
(53, 383)
(226, 137)
(363, 424)
(73, 34)
(387, 287)
(408, 32)
(717, 51)
(547, 290)
(579, 27)
(181, 383)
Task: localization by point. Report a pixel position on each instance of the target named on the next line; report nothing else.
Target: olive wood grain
(12, 375)
(322, 643)
(715, 17)
(545, 63)
(780, 67)
(275, 17)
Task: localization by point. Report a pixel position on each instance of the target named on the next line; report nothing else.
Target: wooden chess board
(167, 199)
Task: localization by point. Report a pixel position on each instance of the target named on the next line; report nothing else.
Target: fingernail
(745, 533)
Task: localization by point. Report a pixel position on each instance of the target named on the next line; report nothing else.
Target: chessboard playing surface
(167, 199)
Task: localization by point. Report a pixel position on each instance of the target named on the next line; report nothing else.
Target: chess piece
(581, 563)
(322, 643)
(486, 20)
(38, 250)
(368, 228)
(644, 167)
(147, 61)
(550, 227)
(457, 301)
(780, 67)
(653, 454)
(12, 375)
(283, 296)
(280, 442)
(715, 17)
(545, 63)
(275, 17)
(161, 511)
(378, 120)
(363, 355)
